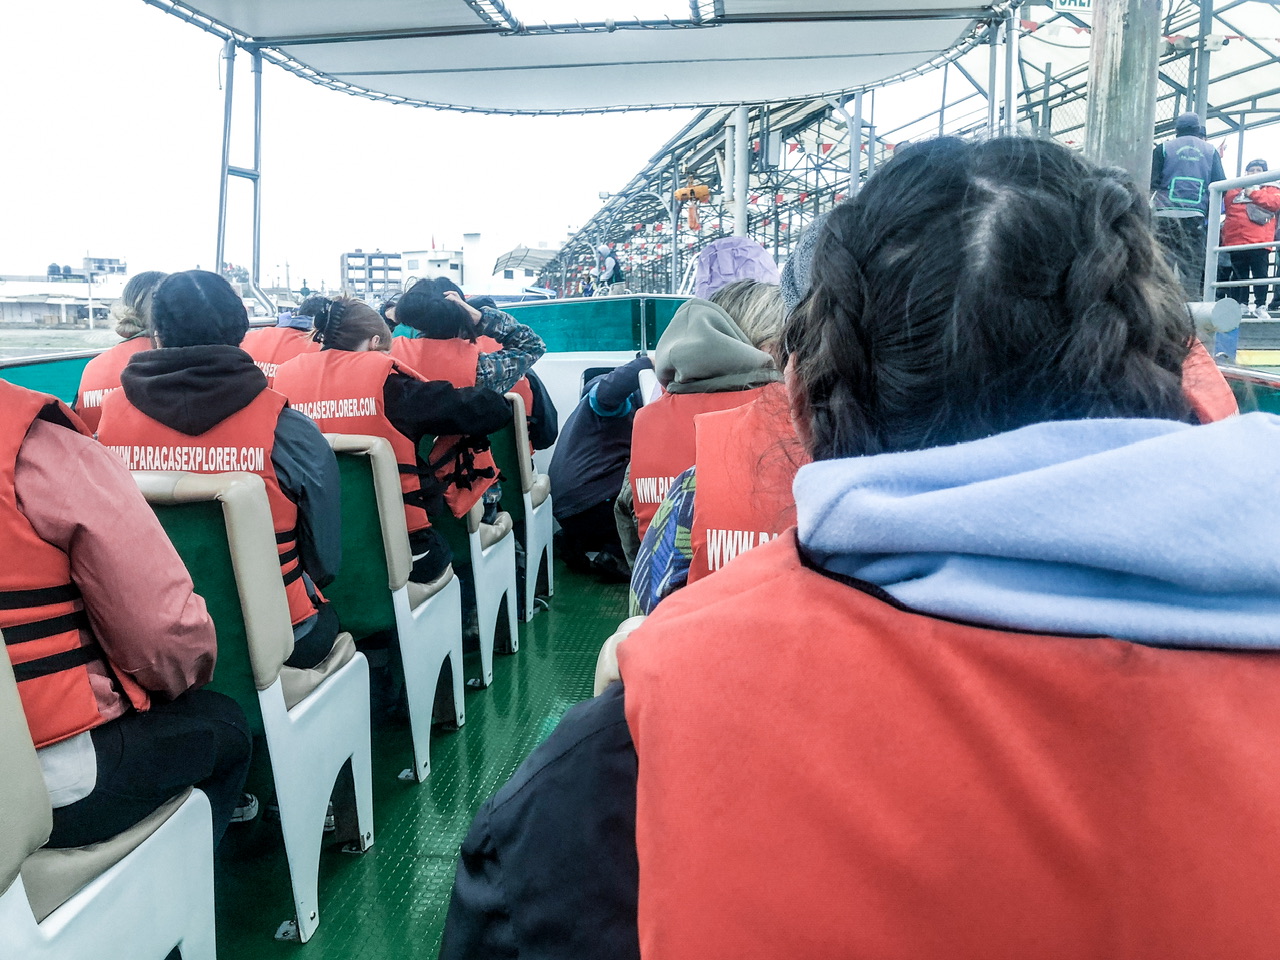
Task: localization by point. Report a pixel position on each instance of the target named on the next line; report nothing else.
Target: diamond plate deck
(391, 901)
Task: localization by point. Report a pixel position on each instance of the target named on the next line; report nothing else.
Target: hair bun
(126, 319)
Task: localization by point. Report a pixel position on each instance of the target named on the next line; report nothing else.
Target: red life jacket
(747, 458)
(272, 346)
(455, 362)
(662, 444)
(101, 376)
(243, 441)
(343, 392)
(824, 774)
(1205, 387)
(47, 634)
(451, 360)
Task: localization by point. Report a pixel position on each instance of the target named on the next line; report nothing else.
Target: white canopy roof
(478, 55)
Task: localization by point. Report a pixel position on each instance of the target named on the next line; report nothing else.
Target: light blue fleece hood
(1144, 530)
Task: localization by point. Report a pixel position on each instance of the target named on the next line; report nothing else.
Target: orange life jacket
(272, 346)
(243, 441)
(824, 774)
(343, 392)
(453, 361)
(662, 443)
(47, 634)
(747, 458)
(1205, 387)
(101, 376)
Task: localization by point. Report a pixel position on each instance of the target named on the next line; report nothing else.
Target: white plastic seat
(493, 569)
(133, 897)
(427, 617)
(607, 660)
(539, 525)
(315, 721)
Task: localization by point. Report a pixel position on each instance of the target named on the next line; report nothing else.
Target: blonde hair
(131, 314)
(756, 308)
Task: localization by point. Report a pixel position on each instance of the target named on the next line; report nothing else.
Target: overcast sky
(111, 119)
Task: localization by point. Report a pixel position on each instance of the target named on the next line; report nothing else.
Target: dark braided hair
(344, 323)
(971, 289)
(197, 308)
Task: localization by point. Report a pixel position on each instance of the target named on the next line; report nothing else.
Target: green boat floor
(391, 901)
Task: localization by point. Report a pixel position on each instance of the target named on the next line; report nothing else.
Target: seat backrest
(510, 449)
(220, 524)
(25, 814)
(376, 558)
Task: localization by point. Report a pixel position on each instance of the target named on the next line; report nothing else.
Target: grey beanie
(1257, 163)
(795, 275)
(1187, 123)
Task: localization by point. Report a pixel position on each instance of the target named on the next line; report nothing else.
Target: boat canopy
(479, 55)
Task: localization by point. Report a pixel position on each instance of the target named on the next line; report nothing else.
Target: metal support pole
(741, 169)
(942, 110)
(1046, 117)
(993, 34)
(255, 268)
(229, 63)
(1202, 60)
(1010, 58)
(675, 231)
(855, 147)
(1240, 148)
(728, 177)
(1124, 57)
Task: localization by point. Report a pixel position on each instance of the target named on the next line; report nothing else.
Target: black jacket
(192, 389)
(549, 870)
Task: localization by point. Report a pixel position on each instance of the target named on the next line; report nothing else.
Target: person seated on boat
(272, 346)
(387, 311)
(131, 315)
(199, 403)
(466, 345)
(729, 259)
(353, 385)
(108, 641)
(747, 457)
(588, 467)
(1006, 691)
(705, 362)
(470, 344)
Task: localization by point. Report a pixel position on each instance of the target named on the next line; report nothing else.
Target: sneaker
(273, 814)
(246, 809)
(1261, 313)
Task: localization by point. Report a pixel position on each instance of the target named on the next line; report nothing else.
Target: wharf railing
(1213, 244)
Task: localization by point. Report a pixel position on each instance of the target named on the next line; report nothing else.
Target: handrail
(1213, 238)
(1249, 375)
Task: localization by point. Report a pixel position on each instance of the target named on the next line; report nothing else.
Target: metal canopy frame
(1030, 96)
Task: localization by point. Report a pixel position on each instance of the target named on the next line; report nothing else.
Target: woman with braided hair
(1007, 689)
(354, 385)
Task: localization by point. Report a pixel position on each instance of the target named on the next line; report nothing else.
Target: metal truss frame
(814, 172)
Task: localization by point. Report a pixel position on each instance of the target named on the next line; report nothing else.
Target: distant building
(371, 276)
(429, 264)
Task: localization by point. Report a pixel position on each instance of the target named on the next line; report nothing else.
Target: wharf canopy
(479, 55)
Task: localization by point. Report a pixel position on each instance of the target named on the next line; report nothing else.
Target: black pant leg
(147, 757)
(432, 554)
(313, 646)
(1259, 260)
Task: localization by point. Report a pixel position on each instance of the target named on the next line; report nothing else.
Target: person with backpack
(1249, 217)
(1181, 171)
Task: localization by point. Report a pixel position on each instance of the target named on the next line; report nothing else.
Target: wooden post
(1124, 58)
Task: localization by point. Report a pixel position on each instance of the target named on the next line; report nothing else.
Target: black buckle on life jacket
(51, 627)
(41, 597)
(56, 663)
